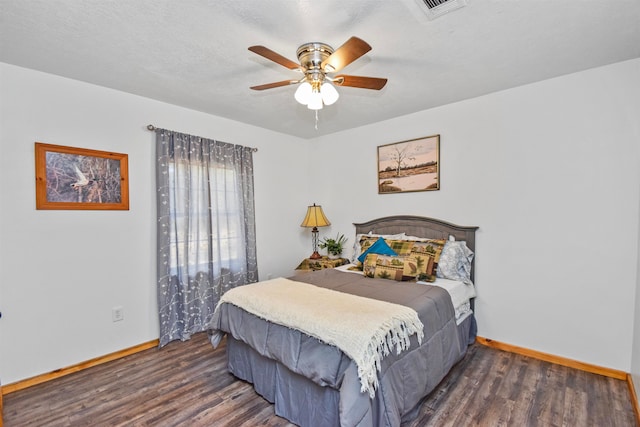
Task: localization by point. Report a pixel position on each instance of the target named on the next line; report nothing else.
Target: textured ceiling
(193, 53)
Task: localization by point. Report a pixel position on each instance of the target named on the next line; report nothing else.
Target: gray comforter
(263, 348)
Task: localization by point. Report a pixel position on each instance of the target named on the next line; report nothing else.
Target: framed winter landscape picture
(412, 165)
(78, 178)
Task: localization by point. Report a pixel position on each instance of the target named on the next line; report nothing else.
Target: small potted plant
(334, 246)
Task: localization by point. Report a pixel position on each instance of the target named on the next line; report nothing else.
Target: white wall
(635, 360)
(61, 272)
(549, 172)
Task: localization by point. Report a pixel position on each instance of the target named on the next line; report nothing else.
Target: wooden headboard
(420, 226)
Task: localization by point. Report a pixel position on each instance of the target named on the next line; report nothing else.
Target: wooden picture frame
(72, 178)
(408, 166)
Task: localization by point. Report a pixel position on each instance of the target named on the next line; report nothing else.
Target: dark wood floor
(186, 384)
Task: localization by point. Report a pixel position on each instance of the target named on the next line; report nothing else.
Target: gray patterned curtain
(206, 228)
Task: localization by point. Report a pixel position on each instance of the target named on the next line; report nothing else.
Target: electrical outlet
(117, 313)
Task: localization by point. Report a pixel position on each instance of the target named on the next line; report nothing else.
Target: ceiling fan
(317, 62)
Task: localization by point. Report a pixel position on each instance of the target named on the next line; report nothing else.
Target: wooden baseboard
(634, 398)
(558, 360)
(10, 388)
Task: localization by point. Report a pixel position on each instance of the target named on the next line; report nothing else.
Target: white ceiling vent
(436, 8)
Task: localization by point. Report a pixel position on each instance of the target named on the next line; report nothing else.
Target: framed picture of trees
(77, 178)
(412, 165)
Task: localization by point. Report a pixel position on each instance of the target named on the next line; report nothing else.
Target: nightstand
(321, 263)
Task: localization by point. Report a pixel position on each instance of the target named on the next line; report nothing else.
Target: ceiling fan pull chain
(316, 119)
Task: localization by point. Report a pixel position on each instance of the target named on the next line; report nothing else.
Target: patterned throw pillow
(368, 239)
(364, 243)
(379, 247)
(401, 247)
(427, 253)
(390, 267)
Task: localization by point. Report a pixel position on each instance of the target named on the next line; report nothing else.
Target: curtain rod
(153, 128)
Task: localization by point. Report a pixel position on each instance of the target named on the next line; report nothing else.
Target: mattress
(460, 293)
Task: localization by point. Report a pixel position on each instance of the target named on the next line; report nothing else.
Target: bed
(312, 383)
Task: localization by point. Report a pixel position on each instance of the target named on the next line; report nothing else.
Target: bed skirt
(308, 404)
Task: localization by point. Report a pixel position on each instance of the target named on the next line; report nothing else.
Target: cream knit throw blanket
(364, 329)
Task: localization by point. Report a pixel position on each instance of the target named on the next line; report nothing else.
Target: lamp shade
(303, 94)
(315, 217)
(315, 101)
(329, 93)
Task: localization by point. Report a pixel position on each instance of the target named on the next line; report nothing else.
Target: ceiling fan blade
(351, 50)
(275, 57)
(275, 84)
(359, 81)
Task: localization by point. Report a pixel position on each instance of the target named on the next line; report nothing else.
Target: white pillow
(418, 239)
(415, 238)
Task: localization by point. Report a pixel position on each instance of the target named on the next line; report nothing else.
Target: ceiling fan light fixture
(329, 93)
(316, 61)
(303, 93)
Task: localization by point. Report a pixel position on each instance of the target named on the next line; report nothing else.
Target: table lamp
(315, 218)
